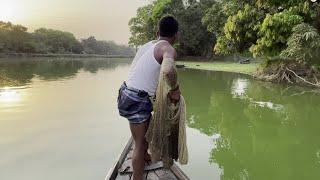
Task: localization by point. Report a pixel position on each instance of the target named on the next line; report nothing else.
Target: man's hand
(174, 96)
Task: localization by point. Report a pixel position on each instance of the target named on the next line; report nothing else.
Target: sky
(104, 19)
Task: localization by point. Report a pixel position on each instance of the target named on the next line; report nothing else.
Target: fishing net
(167, 130)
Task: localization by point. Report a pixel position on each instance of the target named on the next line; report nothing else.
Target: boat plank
(152, 176)
(113, 173)
(144, 176)
(123, 177)
(178, 172)
(122, 170)
(165, 174)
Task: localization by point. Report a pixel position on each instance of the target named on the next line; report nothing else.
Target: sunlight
(6, 10)
(13, 11)
(239, 88)
(8, 95)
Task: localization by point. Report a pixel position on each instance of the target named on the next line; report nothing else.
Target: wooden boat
(122, 169)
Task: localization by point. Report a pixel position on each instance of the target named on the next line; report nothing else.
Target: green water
(58, 120)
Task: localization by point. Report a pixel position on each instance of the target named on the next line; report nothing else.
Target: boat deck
(123, 168)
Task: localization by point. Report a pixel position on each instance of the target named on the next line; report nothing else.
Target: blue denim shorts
(135, 105)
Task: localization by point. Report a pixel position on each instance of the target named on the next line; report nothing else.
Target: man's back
(145, 68)
(133, 101)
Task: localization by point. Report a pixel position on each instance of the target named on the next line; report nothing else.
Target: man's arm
(169, 55)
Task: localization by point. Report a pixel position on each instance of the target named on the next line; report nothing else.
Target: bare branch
(304, 80)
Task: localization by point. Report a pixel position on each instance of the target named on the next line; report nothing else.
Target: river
(58, 120)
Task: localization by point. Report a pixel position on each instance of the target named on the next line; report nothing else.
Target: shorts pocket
(127, 104)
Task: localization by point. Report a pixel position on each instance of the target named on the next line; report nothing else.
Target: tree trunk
(318, 18)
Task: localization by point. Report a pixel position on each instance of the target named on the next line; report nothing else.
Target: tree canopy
(195, 39)
(222, 27)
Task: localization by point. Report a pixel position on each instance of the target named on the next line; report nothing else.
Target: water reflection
(239, 90)
(245, 128)
(264, 131)
(239, 87)
(58, 118)
(8, 95)
(270, 105)
(21, 72)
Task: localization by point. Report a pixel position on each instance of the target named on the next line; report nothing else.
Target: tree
(240, 30)
(56, 41)
(93, 46)
(303, 44)
(141, 26)
(13, 37)
(274, 33)
(194, 37)
(215, 18)
(16, 39)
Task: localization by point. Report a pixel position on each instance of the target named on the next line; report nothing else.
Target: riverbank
(291, 77)
(249, 69)
(5, 55)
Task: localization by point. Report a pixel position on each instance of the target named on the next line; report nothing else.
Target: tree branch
(304, 80)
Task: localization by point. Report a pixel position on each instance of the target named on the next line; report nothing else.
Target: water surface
(58, 120)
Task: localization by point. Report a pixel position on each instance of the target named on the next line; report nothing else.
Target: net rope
(167, 116)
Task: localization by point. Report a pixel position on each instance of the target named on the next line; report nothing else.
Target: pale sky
(104, 19)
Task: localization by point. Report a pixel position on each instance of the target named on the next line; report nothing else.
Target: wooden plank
(113, 172)
(178, 172)
(154, 171)
(144, 176)
(129, 155)
(123, 177)
(152, 176)
(126, 167)
(164, 174)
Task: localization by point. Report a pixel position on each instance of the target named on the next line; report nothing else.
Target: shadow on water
(15, 72)
(261, 130)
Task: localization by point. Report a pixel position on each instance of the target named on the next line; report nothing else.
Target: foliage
(215, 18)
(223, 46)
(194, 37)
(141, 26)
(240, 30)
(274, 33)
(303, 44)
(13, 37)
(93, 46)
(56, 41)
(16, 39)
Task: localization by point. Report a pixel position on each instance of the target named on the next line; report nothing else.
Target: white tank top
(145, 69)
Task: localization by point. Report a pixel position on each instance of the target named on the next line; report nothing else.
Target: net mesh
(167, 130)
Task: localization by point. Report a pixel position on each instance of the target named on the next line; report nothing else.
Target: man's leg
(138, 132)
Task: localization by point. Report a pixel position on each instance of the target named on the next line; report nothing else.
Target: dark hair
(168, 26)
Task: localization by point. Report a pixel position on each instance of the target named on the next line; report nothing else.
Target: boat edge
(112, 173)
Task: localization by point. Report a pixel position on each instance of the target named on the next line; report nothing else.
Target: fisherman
(134, 94)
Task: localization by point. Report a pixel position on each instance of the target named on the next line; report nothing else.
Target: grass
(222, 66)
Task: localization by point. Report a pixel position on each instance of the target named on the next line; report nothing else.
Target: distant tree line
(16, 39)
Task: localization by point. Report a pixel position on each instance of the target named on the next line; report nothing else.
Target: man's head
(168, 28)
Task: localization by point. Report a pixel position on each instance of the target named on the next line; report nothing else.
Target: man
(133, 101)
